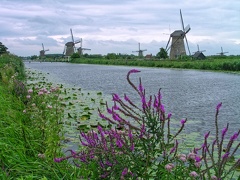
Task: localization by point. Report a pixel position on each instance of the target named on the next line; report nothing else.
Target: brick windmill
(140, 51)
(42, 52)
(222, 53)
(81, 49)
(177, 47)
(69, 47)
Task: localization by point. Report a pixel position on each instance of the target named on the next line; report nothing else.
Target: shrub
(139, 142)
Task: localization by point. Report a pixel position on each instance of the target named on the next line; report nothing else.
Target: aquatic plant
(140, 143)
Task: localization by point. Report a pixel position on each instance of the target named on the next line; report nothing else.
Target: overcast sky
(110, 26)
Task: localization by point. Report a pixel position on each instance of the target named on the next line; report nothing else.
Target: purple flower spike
(116, 97)
(219, 106)
(197, 159)
(225, 155)
(133, 71)
(234, 137)
(206, 135)
(58, 160)
(183, 121)
(125, 171)
(169, 115)
(126, 98)
(224, 131)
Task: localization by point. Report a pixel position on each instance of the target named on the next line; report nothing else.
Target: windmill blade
(86, 49)
(43, 46)
(187, 45)
(64, 50)
(139, 46)
(182, 20)
(168, 42)
(73, 40)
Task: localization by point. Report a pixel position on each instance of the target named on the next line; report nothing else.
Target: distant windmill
(177, 47)
(140, 51)
(42, 52)
(222, 53)
(69, 47)
(199, 54)
(81, 49)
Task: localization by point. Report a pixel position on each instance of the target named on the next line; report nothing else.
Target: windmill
(42, 52)
(222, 53)
(69, 47)
(177, 47)
(199, 54)
(140, 51)
(81, 49)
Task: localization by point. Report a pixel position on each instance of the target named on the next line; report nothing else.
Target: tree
(75, 55)
(162, 53)
(3, 49)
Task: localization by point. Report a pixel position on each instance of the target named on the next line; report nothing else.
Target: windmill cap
(177, 33)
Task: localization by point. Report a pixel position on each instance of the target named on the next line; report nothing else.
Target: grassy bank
(212, 63)
(30, 128)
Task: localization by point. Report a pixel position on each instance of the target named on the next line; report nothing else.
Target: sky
(110, 26)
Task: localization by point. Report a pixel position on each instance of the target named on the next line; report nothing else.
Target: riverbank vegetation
(213, 63)
(120, 140)
(30, 125)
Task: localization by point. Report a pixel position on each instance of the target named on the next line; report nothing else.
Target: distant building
(148, 56)
(199, 55)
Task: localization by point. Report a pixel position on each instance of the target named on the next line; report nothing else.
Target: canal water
(187, 94)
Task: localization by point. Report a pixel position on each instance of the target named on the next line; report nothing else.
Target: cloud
(118, 26)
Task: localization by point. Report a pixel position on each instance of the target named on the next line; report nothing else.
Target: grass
(24, 152)
(228, 63)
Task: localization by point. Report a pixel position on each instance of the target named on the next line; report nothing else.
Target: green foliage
(162, 54)
(3, 49)
(75, 55)
(223, 64)
(31, 128)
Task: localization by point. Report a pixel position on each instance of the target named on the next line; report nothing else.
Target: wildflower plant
(43, 111)
(137, 143)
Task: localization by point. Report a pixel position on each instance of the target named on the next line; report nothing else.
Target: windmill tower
(140, 51)
(177, 47)
(42, 52)
(81, 49)
(70, 48)
(199, 54)
(222, 53)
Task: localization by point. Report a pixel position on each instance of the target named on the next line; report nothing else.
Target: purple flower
(101, 115)
(125, 171)
(126, 98)
(234, 136)
(225, 155)
(132, 147)
(224, 131)
(115, 107)
(109, 111)
(58, 160)
(173, 150)
(116, 117)
(133, 71)
(193, 174)
(206, 135)
(140, 88)
(183, 121)
(162, 108)
(219, 106)
(115, 97)
(169, 115)
(130, 135)
(197, 159)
